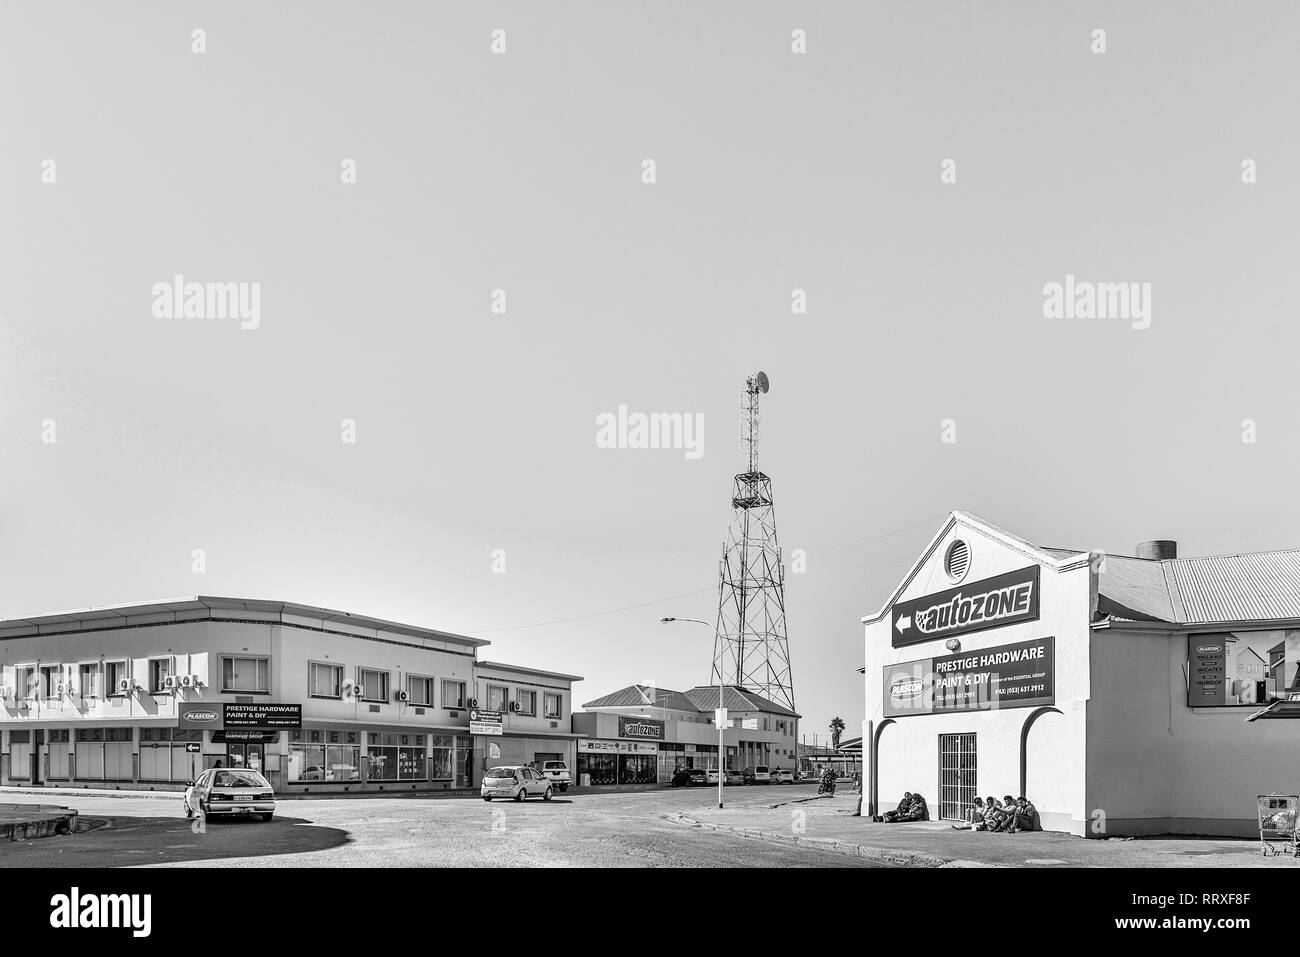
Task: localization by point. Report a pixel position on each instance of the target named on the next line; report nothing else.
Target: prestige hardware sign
(644, 728)
(1002, 600)
(1022, 675)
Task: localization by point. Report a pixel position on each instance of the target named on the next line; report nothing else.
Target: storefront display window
(398, 757)
(603, 768)
(637, 768)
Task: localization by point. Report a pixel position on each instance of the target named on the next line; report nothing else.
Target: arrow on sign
(904, 623)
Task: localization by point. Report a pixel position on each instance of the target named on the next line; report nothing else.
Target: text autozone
(975, 609)
(635, 729)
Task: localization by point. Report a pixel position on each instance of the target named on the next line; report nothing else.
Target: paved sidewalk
(828, 823)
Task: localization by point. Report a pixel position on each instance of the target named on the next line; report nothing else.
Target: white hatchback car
(516, 781)
(233, 792)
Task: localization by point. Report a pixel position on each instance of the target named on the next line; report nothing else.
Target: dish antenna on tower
(760, 382)
(749, 416)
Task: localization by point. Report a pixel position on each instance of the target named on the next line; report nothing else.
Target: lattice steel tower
(750, 649)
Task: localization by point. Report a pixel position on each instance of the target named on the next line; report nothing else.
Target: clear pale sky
(522, 171)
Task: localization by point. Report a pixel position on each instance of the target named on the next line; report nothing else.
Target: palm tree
(837, 728)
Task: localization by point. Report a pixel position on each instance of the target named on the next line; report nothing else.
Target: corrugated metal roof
(641, 696)
(735, 699)
(1263, 586)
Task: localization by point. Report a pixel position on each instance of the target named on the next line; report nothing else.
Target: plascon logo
(77, 910)
(1209, 649)
(201, 715)
(906, 687)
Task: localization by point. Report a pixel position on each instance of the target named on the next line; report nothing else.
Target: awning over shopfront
(1278, 709)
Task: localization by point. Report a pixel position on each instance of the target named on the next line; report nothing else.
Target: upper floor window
(374, 684)
(324, 681)
(88, 680)
(419, 690)
(51, 677)
(159, 670)
(497, 697)
(554, 705)
(453, 694)
(527, 701)
(246, 675)
(115, 672)
(25, 681)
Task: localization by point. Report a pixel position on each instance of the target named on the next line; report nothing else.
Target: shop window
(324, 762)
(453, 694)
(245, 675)
(159, 670)
(497, 697)
(603, 768)
(374, 685)
(324, 681)
(637, 768)
(88, 680)
(527, 702)
(419, 691)
(554, 705)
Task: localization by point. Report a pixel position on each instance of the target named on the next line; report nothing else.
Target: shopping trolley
(1277, 823)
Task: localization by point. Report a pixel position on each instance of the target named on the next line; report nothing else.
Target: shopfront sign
(1022, 675)
(484, 722)
(199, 717)
(263, 716)
(245, 735)
(1251, 668)
(991, 603)
(616, 747)
(645, 728)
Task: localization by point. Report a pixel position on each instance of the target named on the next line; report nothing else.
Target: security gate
(957, 766)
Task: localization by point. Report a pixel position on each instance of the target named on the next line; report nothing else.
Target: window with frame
(374, 684)
(554, 705)
(87, 680)
(324, 680)
(245, 675)
(497, 697)
(453, 694)
(419, 690)
(159, 670)
(115, 672)
(49, 684)
(25, 681)
(527, 702)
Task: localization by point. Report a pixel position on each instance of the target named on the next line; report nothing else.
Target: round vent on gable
(957, 560)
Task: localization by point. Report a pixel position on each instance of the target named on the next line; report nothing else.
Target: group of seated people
(911, 808)
(1010, 815)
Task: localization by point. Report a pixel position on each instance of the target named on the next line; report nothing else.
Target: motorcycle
(827, 785)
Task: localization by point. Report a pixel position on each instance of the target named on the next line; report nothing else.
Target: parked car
(711, 776)
(733, 776)
(515, 781)
(699, 777)
(782, 776)
(557, 772)
(747, 775)
(234, 792)
(762, 775)
(681, 777)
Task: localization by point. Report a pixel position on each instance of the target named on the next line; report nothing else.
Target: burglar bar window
(957, 767)
(374, 684)
(324, 681)
(246, 675)
(453, 694)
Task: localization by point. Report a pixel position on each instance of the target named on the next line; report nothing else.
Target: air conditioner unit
(170, 683)
(403, 696)
(187, 681)
(473, 702)
(124, 684)
(514, 706)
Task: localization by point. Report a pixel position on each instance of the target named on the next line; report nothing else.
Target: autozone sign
(1002, 600)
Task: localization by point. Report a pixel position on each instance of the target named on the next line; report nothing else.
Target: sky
(475, 497)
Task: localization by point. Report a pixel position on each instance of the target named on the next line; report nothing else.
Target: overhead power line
(710, 588)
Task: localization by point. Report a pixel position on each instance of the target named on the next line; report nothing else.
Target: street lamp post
(718, 719)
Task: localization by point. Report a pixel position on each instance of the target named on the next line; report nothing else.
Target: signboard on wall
(199, 717)
(484, 722)
(263, 715)
(644, 728)
(1243, 668)
(245, 735)
(1020, 675)
(616, 747)
(974, 606)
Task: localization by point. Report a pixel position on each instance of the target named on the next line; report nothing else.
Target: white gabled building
(1121, 694)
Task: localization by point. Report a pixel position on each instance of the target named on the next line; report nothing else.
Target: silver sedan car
(233, 792)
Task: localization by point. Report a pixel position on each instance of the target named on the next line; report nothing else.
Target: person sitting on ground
(1006, 816)
(893, 817)
(970, 816)
(1013, 822)
(1026, 815)
(993, 816)
(916, 811)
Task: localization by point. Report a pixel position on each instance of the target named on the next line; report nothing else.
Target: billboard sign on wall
(1020, 675)
(991, 603)
(1242, 668)
(644, 728)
